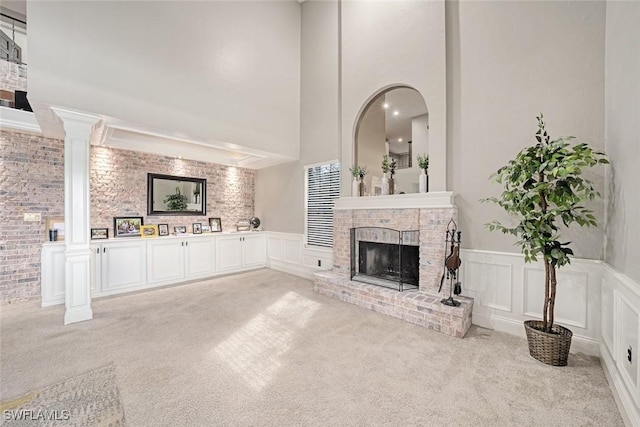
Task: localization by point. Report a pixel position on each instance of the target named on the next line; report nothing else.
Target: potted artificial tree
(423, 164)
(358, 173)
(544, 188)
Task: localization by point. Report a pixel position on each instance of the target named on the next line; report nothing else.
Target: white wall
(280, 189)
(386, 44)
(212, 71)
(622, 112)
(507, 62)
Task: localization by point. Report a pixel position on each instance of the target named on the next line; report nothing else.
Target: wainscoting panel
(572, 289)
(286, 252)
(274, 246)
(507, 291)
(491, 285)
(292, 249)
(619, 347)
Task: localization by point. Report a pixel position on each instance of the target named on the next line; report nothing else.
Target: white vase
(355, 187)
(423, 182)
(385, 184)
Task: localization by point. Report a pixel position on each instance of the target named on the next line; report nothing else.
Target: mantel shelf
(437, 199)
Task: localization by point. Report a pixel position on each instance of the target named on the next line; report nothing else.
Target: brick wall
(13, 76)
(32, 180)
(119, 188)
(432, 224)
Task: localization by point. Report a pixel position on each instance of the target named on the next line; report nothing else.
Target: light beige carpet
(261, 348)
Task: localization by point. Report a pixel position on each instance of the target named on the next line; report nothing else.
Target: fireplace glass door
(385, 257)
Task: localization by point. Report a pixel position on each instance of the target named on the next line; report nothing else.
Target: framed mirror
(394, 123)
(176, 195)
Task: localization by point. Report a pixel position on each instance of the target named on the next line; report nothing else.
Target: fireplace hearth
(381, 245)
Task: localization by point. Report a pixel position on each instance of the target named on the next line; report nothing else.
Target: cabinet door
(254, 251)
(198, 259)
(165, 260)
(123, 265)
(228, 253)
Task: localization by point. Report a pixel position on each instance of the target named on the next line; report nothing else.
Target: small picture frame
(215, 224)
(197, 228)
(127, 226)
(163, 229)
(56, 224)
(99, 233)
(206, 228)
(148, 231)
(180, 229)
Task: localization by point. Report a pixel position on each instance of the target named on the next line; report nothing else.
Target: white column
(78, 128)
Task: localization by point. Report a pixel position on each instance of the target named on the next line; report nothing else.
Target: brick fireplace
(429, 214)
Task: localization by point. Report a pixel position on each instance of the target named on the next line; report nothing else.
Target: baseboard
(51, 303)
(626, 406)
(295, 269)
(579, 344)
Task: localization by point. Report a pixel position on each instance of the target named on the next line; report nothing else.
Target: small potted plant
(423, 164)
(544, 189)
(388, 167)
(358, 173)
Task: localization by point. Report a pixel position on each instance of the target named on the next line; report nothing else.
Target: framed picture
(215, 224)
(127, 226)
(206, 228)
(99, 233)
(163, 229)
(56, 224)
(148, 231)
(181, 229)
(197, 228)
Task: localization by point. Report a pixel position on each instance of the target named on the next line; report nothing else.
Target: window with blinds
(323, 187)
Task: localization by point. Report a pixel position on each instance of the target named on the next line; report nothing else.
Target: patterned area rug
(90, 399)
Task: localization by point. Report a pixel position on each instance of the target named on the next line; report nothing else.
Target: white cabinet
(237, 252)
(127, 264)
(254, 251)
(165, 260)
(120, 265)
(228, 253)
(199, 260)
(172, 260)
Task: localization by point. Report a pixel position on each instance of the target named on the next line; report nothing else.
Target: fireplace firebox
(385, 257)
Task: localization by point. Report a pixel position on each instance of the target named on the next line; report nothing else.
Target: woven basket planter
(550, 348)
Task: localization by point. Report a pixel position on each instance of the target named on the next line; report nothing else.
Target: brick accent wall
(32, 180)
(119, 188)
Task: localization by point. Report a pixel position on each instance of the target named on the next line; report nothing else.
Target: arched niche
(394, 122)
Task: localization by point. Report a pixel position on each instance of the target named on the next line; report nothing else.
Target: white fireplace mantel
(436, 199)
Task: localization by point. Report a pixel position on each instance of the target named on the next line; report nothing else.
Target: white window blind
(323, 187)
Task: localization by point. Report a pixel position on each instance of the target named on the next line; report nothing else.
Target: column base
(77, 315)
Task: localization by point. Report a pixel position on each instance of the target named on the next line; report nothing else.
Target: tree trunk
(545, 310)
(552, 295)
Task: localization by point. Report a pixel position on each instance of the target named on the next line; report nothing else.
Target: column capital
(76, 124)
